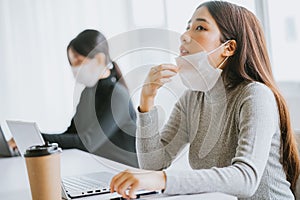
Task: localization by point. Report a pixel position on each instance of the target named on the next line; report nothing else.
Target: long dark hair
(90, 42)
(251, 63)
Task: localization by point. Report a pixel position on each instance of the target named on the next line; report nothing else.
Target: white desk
(14, 184)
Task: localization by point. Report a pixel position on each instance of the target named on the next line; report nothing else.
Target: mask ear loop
(109, 65)
(218, 47)
(223, 62)
(216, 50)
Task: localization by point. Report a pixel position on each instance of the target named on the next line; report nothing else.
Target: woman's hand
(158, 76)
(134, 180)
(12, 144)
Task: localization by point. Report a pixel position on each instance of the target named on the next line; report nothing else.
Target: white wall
(285, 39)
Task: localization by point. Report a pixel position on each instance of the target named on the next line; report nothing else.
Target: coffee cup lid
(42, 150)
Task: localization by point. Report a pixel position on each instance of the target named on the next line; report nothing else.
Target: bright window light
(148, 13)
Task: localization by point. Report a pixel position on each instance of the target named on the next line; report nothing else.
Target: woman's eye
(200, 28)
(187, 28)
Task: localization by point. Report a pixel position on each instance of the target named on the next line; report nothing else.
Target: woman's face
(75, 58)
(202, 34)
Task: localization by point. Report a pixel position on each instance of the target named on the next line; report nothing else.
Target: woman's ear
(101, 58)
(229, 48)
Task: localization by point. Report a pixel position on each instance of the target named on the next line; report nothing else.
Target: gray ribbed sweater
(234, 143)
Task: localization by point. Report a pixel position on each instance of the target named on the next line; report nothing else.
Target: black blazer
(105, 121)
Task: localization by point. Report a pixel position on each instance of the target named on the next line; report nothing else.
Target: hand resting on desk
(134, 180)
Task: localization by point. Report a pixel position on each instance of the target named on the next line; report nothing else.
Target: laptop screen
(26, 134)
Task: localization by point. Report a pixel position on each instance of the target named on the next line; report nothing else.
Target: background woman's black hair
(90, 42)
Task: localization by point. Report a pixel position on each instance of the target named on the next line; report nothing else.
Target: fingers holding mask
(157, 77)
(163, 73)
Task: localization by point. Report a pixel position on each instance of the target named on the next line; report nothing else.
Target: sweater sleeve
(71, 128)
(257, 123)
(156, 150)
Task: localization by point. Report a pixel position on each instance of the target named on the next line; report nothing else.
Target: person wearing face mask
(104, 122)
(232, 116)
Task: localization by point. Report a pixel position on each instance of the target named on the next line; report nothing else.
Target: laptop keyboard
(91, 184)
(83, 185)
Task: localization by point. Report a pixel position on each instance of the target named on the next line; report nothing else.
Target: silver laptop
(5, 149)
(27, 134)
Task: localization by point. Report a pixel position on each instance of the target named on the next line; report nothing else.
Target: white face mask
(89, 73)
(196, 72)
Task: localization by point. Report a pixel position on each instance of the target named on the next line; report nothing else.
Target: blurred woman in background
(104, 122)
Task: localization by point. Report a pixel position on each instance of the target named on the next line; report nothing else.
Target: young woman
(104, 122)
(233, 117)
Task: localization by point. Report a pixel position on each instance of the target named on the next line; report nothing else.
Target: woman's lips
(183, 51)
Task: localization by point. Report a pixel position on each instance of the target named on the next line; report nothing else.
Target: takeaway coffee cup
(43, 168)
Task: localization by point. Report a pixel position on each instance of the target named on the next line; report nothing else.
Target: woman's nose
(185, 38)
